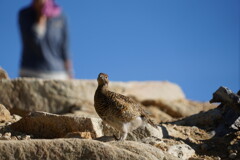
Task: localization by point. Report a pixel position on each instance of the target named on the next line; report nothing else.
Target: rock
(179, 108)
(57, 126)
(4, 114)
(16, 117)
(14, 138)
(25, 95)
(6, 136)
(84, 135)
(3, 74)
(232, 155)
(79, 149)
(26, 137)
(202, 120)
(158, 115)
(182, 151)
(155, 90)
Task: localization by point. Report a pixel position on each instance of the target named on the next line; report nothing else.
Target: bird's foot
(116, 138)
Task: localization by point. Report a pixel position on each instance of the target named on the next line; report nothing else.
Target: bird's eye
(106, 77)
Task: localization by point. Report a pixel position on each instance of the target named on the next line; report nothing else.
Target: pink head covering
(50, 9)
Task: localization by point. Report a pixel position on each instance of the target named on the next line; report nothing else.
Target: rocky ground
(47, 119)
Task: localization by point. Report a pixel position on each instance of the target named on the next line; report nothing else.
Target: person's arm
(65, 51)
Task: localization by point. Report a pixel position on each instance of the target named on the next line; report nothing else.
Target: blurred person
(44, 36)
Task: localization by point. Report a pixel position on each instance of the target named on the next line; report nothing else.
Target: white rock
(182, 151)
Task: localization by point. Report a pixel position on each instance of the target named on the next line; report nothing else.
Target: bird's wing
(130, 109)
(126, 108)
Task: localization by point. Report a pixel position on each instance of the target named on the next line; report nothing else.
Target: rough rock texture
(179, 108)
(4, 114)
(155, 90)
(28, 94)
(46, 125)
(182, 151)
(3, 74)
(79, 149)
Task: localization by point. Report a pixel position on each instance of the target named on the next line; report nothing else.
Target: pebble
(14, 138)
(6, 136)
(232, 155)
(16, 117)
(26, 137)
(8, 123)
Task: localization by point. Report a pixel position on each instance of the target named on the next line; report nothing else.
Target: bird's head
(102, 79)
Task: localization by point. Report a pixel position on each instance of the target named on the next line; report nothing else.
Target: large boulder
(179, 108)
(79, 149)
(55, 96)
(46, 125)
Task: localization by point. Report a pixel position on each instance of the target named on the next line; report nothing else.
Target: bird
(119, 111)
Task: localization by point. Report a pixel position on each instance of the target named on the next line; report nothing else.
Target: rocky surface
(56, 120)
(58, 126)
(63, 96)
(79, 149)
(3, 74)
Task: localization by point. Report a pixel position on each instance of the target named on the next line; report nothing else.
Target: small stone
(26, 137)
(8, 134)
(16, 117)
(84, 135)
(217, 158)
(14, 138)
(8, 123)
(232, 155)
(5, 138)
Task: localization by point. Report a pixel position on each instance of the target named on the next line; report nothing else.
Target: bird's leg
(116, 138)
(123, 136)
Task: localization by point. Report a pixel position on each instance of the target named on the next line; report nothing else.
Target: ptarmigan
(119, 111)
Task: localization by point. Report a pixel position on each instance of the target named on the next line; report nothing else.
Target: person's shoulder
(62, 16)
(25, 11)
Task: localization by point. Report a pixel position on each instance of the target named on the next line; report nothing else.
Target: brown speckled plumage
(119, 111)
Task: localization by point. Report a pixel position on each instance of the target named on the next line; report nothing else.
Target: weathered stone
(79, 149)
(24, 95)
(3, 74)
(152, 90)
(84, 135)
(6, 136)
(182, 151)
(179, 108)
(232, 155)
(4, 114)
(158, 115)
(56, 126)
(202, 120)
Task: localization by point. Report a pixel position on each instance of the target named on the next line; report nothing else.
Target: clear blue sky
(194, 43)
